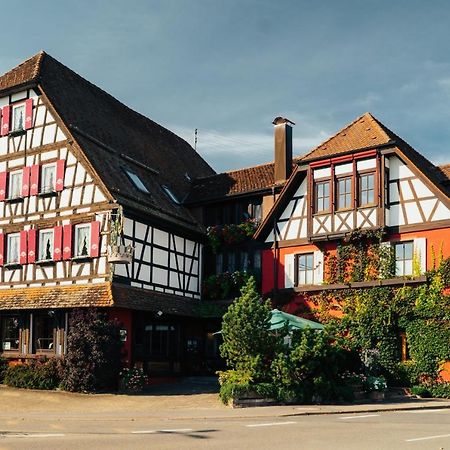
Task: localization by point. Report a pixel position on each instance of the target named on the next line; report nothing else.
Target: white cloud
(233, 149)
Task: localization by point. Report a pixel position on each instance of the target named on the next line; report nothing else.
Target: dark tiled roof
(106, 129)
(235, 182)
(153, 301)
(74, 296)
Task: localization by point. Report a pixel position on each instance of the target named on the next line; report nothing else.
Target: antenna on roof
(195, 139)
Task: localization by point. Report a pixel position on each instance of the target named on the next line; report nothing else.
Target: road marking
(24, 435)
(428, 437)
(358, 417)
(174, 430)
(269, 424)
(424, 411)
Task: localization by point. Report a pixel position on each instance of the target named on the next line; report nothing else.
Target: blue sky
(229, 67)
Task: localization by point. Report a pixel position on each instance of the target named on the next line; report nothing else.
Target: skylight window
(137, 181)
(170, 194)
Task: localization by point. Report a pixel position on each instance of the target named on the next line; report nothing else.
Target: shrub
(35, 375)
(248, 346)
(93, 357)
(421, 391)
(440, 390)
(311, 369)
(3, 368)
(133, 379)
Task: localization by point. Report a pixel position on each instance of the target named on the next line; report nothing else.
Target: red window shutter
(2, 248)
(95, 239)
(60, 165)
(57, 243)
(3, 178)
(67, 241)
(28, 114)
(31, 246)
(23, 247)
(6, 114)
(34, 179)
(26, 181)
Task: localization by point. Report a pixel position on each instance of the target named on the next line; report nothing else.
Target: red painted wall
(436, 239)
(125, 319)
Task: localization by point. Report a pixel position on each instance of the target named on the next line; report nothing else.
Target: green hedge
(35, 375)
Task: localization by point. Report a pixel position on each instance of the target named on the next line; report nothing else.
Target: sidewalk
(20, 404)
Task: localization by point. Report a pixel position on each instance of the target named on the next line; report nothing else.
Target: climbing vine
(372, 319)
(362, 256)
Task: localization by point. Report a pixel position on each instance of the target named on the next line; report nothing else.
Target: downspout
(275, 247)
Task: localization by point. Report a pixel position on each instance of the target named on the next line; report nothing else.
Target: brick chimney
(283, 148)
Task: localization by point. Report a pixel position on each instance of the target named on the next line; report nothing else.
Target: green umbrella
(279, 319)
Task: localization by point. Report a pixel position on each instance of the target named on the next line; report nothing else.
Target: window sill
(14, 200)
(372, 205)
(48, 194)
(343, 210)
(79, 259)
(11, 354)
(49, 262)
(398, 281)
(11, 266)
(17, 133)
(322, 213)
(44, 352)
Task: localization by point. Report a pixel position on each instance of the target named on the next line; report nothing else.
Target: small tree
(93, 359)
(247, 344)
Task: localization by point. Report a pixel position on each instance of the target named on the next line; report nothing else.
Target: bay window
(322, 196)
(366, 189)
(344, 193)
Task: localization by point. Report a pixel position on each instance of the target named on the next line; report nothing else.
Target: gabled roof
(113, 136)
(363, 133)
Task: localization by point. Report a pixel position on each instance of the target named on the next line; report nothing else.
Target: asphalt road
(420, 429)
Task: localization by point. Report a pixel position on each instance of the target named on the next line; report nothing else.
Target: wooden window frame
(394, 245)
(41, 351)
(43, 191)
(364, 173)
(297, 269)
(19, 349)
(75, 254)
(339, 178)
(14, 106)
(7, 261)
(10, 177)
(315, 196)
(39, 233)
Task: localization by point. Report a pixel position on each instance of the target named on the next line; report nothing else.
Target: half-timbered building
(363, 178)
(91, 215)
